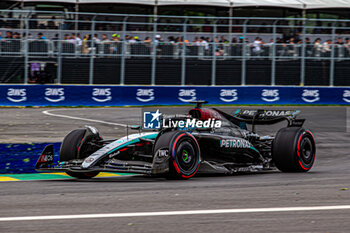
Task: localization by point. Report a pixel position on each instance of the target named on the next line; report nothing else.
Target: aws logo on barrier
(228, 95)
(17, 95)
(101, 94)
(145, 95)
(54, 94)
(346, 96)
(187, 95)
(310, 96)
(270, 95)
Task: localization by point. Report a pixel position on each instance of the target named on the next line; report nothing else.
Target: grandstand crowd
(85, 44)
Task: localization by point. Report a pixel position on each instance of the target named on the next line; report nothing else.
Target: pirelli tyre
(294, 150)
(184, 153)
(73, 147)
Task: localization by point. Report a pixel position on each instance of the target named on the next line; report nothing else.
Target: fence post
(59, 54)
(26, 53)
(331, 71)
(183, 63)
(303, 51)
(122, 61)
(273, 65)
(93, 52)
(243, 72)
(213, 65)
(154, 55)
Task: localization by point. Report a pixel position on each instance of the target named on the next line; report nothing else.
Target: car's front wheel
(75, 146)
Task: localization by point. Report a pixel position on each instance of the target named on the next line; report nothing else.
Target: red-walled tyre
(184, 151)
(294, 150)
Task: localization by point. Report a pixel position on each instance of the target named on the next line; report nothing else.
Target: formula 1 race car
(179, 152)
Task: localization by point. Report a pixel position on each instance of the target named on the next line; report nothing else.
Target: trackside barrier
(73, 95)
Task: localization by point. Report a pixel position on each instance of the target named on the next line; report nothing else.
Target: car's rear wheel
(184, 153)
(74, 146)
(294, 150)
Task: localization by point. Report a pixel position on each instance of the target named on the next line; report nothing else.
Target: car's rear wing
(265, 117)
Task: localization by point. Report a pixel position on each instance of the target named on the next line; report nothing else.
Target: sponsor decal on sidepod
(16, 95)
(270, 95)
(187, 95)
(101, 94)
(228, 95)
(54, 94)
(235, 143)
(310, 96)
(145, 95)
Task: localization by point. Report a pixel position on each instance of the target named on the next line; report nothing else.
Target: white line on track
(172, 213)
(48, 112)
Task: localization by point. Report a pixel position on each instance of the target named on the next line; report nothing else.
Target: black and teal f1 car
(181, 152)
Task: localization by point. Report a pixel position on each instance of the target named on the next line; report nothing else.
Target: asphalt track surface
(203, 196)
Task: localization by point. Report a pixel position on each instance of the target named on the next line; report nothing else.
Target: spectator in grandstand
(132, 40)
(66, 38)
(234, 40)
(85, 45)
(223, 39)
(114, 43)
(257, 46)
(147, 40)
(116, 37)
(104, 38)
(291, 46)
(327, 48)
(318, 47)
(158, 39)
(41, 36)
(204, 43)
(171, 40)
(347, 41)
(76, 40)
(0, 36)
(219, 52)
(34, 72)
(339, 41)
(97, 41)
(309, 47)
(8, 35)
(220, 47)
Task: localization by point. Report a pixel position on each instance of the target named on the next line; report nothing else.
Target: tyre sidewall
(177, 139)
(286, 152)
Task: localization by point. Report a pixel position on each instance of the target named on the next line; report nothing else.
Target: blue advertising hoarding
(86, 95)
